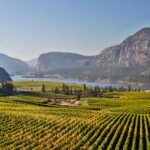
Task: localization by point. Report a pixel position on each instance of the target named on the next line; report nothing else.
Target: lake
(20, 78)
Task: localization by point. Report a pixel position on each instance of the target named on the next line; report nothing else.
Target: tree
(63, 88)
(90, 91)
(67, 90)
(139, 89)
(43, 88)
(129, 88)
(78, 95)
(110, 89)
(56, 90)
(71, 91)
(121, 88)
(84, 88)
(8, 88)
(96, 91)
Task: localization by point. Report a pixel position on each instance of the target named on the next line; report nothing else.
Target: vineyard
(99, 123)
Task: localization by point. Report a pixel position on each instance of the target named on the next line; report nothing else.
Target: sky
(31, 27)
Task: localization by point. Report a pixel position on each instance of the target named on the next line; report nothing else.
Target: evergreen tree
(90, 91)
(75, 91)
(110, 89)
(56, 90)
(63, 88)
(78, 96)
(129, 88)
(84, 89)
(43, 88)
(71, 91)
(139, 90)
(8, 88)
(67, 90)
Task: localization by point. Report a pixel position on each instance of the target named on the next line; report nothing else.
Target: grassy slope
(36, 85)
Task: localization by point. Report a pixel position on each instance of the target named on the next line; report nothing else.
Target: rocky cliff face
(57, 60)
(128, 62)
(13, 65)
(4, 76)
(125, 62)
(135, 50)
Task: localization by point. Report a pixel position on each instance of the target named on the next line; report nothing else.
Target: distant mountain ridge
(4, 76)
(13, 65)
(58, 60)
(135, 50)
(32, 63)
(128, 61)
(125, 62)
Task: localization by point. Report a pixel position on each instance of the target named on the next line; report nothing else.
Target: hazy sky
(31, 27)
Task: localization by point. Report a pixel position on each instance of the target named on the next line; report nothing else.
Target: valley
(127, 62)
(74, 75)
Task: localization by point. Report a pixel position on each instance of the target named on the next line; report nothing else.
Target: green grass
(36, 85)
(100, 123)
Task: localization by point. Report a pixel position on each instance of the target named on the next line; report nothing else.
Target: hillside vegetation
(4, 76)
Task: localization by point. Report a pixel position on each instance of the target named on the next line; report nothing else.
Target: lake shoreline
(88, 83)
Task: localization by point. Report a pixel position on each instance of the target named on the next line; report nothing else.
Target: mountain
(13, 65)
(135, 50)
(59, 60)
(4, 76)
(32, 63)
(126, 62)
